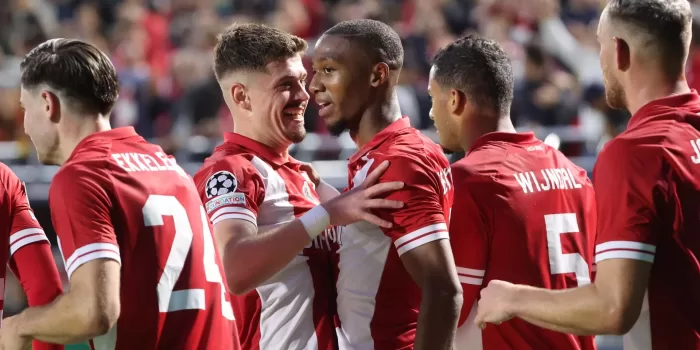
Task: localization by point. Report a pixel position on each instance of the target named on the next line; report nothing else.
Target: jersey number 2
(169, 300)
(556, 225)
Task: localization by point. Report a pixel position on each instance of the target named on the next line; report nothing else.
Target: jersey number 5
(557, 225)
(170, 300)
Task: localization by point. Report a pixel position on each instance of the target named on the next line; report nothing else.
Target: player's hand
(355, 205)
(494, 303)
(313, 174)
(10, 338)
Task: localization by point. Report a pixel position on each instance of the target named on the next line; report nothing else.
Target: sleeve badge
(220, 183)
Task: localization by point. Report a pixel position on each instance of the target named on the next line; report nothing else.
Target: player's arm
(251, 257)
(627, 202)
(421, 237)
(610, 306)
(31, 259)
(89, 309)
(81, 213)
(469, 234)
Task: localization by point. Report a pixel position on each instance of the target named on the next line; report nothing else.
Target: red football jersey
(647, 183)
(525, 214)
(25, 247)
(245, 180)
(118, 197)
(378, 301)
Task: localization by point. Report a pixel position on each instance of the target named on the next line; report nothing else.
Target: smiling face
(341, 83)
(278, 100)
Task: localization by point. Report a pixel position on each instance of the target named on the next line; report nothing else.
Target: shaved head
(642, 37)
(658, 30)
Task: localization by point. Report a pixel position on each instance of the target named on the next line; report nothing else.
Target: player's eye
(328, 70)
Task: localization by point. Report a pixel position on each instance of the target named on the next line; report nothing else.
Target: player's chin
(335, 126)
(47, 158)
(296, 136)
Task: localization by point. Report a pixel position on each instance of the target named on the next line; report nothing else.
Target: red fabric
(118, 197)
(36, 271)
(523, 213)
(647, 188)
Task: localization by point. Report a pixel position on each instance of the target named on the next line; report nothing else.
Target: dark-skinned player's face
(341, 83)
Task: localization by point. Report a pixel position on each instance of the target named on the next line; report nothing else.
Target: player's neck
(281, 149)
(79, 128)
(498, 124)
(375, 119)
(650, 89)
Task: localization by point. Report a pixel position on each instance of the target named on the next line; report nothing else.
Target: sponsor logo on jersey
(220, 183)
(224, 200)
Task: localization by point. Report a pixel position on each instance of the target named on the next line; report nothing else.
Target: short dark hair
(76, 70)
(373, 37)
(669, 22)
(251, 46)
(478, 67)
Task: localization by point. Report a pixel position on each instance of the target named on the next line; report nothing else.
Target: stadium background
(162, 50)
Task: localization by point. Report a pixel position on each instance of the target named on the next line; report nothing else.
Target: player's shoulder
(629, 148)
(7, 176)
(79, 171)
(411, 149)
(233, 161)
(473, 169)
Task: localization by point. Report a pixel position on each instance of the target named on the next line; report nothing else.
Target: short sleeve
(629, 188)
(231, 189)
(422, 218)
(468, 238)
(25, 229)
(81, 214)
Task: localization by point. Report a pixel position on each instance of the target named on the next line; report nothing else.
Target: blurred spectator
(162, 51)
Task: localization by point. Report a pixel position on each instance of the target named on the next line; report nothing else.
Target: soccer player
(397, 287)
(138, 248)
(263, 205)
(647, 184)
(26, 248)
(522, 211)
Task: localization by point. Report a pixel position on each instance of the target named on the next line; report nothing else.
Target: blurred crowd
(162, 50)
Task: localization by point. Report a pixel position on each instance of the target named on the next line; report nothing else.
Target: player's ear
(622, 54)
(51, 105)
(457, 102)
(380, 74)
(240, 96)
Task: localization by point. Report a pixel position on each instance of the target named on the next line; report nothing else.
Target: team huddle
(511, 247)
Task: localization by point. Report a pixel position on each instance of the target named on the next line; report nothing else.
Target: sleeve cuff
(625, 250)
(233, 213)
(21, 238)
(421, 236)
(470, 276)
(91, 252)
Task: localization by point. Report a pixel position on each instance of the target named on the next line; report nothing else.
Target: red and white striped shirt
(245, 180)
(378, 301)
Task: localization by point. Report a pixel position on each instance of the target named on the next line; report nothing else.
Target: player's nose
(315, 85)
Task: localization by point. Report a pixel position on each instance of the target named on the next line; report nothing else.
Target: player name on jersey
(146, 162)
(547, 180)
(696, 148)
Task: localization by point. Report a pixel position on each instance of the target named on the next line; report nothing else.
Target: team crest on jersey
(221, 183)
(306, 190)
